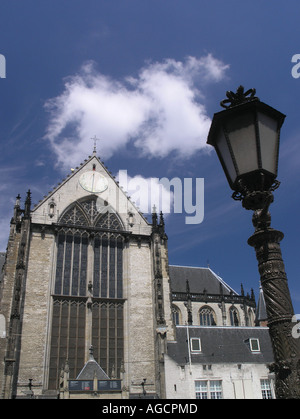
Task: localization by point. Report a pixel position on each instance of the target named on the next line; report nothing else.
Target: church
(91, 308)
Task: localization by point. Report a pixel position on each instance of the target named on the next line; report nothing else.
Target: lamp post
(246, 138)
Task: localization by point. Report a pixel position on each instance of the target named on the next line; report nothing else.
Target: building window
(71, 265)
(250, 317)
(207, 316)
(107, 335)
(254, 345)
(175, 315)
(208, 389)
(265, 386)
(68, 338)
(89, 245)
(234, 317)
(195, 345)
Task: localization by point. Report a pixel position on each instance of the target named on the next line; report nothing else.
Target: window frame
(207, 316)
(251, 345)
(266, 389)
(209, 389)
(191, 345)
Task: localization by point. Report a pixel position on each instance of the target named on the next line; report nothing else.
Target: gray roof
(221, 345)
(200, 279)
(92, 369)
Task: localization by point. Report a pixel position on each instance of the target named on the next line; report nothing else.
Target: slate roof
(92, 369)
(200, 279)
(221, 345)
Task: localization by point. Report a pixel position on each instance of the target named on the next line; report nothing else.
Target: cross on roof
(95, 139)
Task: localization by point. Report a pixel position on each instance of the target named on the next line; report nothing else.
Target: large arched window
(88, 279)
(207, 316)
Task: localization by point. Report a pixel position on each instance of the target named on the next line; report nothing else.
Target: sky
(146, 77)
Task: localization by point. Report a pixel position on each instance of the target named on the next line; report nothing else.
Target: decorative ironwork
(215, 298)
(234, 99)
(254, 200)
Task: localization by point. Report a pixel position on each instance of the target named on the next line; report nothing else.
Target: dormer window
(254, 345)
(195, 345)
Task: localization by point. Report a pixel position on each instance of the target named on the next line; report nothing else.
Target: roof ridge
(68, 177)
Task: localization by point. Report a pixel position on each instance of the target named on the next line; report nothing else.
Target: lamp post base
(279, 308)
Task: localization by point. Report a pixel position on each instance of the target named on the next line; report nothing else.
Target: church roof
(221, 344)
(199, 279)
(91, 370)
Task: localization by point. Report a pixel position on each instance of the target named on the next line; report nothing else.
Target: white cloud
(159, 111)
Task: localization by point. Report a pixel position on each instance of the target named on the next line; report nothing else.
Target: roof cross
(95, 139)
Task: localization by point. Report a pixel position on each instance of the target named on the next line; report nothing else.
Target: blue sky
(146, 77)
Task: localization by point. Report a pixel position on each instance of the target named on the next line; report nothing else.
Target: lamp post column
(286, 348)
(246, 138)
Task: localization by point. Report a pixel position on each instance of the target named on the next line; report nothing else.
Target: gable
(91, 182)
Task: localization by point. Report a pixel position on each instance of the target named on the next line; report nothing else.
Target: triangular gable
(91, 370)
(49, 209)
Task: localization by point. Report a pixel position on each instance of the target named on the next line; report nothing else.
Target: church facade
(88, 302)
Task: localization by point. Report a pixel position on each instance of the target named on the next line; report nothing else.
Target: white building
(219, 362)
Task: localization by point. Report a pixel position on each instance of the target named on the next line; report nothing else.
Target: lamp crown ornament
(234, 99)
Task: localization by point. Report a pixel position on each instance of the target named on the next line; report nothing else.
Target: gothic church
(88, 302)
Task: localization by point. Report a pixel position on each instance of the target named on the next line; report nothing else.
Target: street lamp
(246, 138)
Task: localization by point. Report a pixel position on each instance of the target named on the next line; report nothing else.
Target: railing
(214, 298)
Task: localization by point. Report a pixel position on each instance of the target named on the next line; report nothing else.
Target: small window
(195, 345)
(234, 317)
(176, 314)
(254, 345)
(208, 389)
(266, 391)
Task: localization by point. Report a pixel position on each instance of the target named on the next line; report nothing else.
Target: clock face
(93, 182)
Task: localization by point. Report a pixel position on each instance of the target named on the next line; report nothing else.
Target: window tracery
(207, 316)
(91, 212)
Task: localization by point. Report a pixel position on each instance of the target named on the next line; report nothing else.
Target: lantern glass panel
(242, 136)
(268, 142)
(224, 151)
